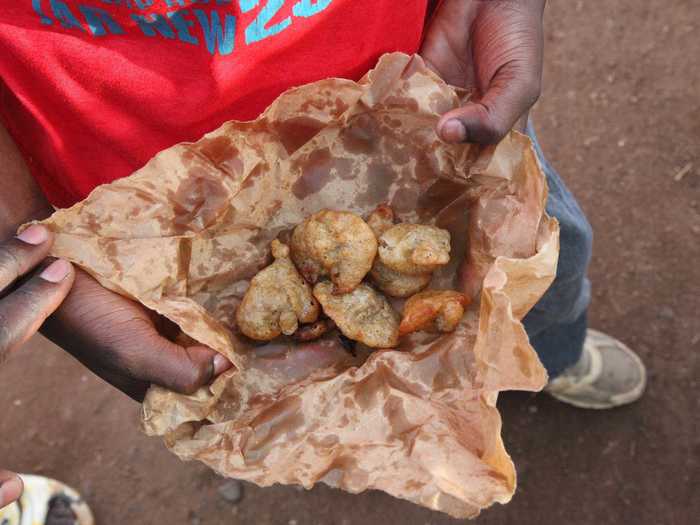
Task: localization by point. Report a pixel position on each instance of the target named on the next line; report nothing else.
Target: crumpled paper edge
(500, 293)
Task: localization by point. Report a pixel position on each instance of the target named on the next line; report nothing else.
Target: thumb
(11, 487)
(183, 369)
(512, 92)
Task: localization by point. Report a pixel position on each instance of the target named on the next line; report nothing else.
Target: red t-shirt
(92, 89)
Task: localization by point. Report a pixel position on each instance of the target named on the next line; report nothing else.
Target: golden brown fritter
(277, 300)
(381, 219)
(363, 315)
(414, 248)
(391, 282)
(433, 311)
(397, 284)
(310, 332)
(335, 243)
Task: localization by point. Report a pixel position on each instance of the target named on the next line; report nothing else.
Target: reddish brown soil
(619, 117)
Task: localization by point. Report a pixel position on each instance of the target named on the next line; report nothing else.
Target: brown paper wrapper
(184, 234)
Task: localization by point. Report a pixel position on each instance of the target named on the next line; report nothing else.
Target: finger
(24, 252)
(24, 310)
(294, 363)
(181, 369)
(11, 487)
(512, 92)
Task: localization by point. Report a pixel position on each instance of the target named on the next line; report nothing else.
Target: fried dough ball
(397, 284)
(335, 243)
(433, 311)
(414, 248)
(391, 282)
(381, 219)
(310, 332)
(363, 315)
(277, 300)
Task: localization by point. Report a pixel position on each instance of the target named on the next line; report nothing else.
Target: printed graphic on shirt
(215, 24)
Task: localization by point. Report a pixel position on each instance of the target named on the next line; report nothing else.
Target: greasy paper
(184, 234)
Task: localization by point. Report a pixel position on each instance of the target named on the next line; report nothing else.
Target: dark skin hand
(118, 339)
(27, 298)
(493, 47)
(11, 487)
(126, 344)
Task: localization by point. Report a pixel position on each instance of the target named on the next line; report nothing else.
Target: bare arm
(26, 300)
(116, 338)
(21, 200)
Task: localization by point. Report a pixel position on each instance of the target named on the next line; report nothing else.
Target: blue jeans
(557, 324)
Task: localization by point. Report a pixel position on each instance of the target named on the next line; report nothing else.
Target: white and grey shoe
(46, 501)
(608, 375)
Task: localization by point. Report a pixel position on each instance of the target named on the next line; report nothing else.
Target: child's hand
(10, 487)
(123, 343)
(25, 302)
(24, 305)
(494, 47)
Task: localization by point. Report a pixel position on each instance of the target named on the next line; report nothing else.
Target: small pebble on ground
(231, 491)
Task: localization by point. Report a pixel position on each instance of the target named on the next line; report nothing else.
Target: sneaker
(608, 375)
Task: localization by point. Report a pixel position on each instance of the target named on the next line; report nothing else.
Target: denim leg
(557, 323)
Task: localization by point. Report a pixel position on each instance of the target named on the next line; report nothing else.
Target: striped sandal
(46, 502)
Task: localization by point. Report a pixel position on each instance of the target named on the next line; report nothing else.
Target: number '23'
(257, 29)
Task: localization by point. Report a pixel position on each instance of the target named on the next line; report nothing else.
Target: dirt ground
(620, 118)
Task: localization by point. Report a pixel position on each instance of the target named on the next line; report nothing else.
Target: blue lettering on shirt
(149, 24)
(257, 31)
(97, 19)
(36, 4)
(307, 8)
(218, 29)
(247, 5)
(64, 14)
(183, 25)
(213, 33)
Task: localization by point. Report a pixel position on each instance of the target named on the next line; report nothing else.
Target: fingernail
(56, 271)
(35, 234)
(454, 131)
(221, 364)
(10, 490)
